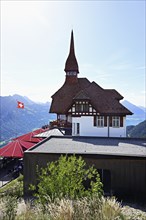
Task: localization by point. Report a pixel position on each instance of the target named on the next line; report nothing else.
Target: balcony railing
(60, 124)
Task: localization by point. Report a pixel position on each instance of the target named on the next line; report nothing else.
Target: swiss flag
(20, 104)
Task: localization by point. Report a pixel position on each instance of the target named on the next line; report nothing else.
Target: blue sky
(109, 39)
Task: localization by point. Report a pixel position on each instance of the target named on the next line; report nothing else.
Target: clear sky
(109, 38)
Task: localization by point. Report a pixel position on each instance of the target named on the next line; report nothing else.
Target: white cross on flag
(20, 104)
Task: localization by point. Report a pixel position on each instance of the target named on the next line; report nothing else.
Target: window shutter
(110, 121)
(105, 121)
(121, 121)
(94, 120)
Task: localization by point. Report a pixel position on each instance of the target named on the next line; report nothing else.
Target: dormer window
(82, 106)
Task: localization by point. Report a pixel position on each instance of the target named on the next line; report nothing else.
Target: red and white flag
(20, 104)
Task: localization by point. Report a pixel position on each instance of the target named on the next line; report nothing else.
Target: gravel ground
(137, 213)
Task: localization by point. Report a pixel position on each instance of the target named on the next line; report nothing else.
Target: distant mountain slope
(139, 113)
(14, 121)
(143, 108)
(138, 131)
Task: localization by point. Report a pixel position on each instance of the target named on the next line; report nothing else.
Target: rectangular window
(116, 121)
(78, 108)
(82, 107)
(78, 128)
(62, 117)
(100, 121)
(86, 107)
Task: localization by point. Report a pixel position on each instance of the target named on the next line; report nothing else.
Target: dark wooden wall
(128, 174)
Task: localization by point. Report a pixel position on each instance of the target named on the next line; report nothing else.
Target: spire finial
(72, 42)
(71, 62)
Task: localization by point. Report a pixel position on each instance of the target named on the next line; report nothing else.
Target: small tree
(67, 178)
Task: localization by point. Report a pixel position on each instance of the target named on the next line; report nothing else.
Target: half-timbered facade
(85, 107)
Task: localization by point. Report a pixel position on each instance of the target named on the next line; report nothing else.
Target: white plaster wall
(118, 132)
(69, 118)
(87, 128)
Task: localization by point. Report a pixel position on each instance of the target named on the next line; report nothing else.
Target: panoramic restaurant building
(87, 108)
(91, 122)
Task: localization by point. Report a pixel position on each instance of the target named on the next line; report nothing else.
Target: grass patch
(14, 188)
(66, 209)
(13, 207)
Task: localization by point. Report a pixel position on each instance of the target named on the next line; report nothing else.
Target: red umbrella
(15, 149)
(30, 136)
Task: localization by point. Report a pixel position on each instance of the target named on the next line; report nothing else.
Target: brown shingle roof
(63, 98)
(71, 62)
(117, 95)
(81, 96)
(104, 101)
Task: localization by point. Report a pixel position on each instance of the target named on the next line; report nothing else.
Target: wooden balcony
(60, 124)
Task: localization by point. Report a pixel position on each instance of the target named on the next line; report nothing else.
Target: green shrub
(67, 178)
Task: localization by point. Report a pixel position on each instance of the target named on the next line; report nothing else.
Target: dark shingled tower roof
(71, 62)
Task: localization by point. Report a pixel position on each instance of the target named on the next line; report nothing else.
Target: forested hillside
(138, 131)
(15, 121)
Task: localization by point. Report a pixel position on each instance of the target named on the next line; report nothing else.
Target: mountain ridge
(138, 131)
(15, 121)
(139, 113)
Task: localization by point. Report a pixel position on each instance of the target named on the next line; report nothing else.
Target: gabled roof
(113, 92)
(104, 101)
(63, 98)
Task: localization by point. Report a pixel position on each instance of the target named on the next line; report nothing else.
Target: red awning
(15, 149)
(30, 136)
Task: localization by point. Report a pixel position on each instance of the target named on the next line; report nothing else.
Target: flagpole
(16, 121)
(20, 105)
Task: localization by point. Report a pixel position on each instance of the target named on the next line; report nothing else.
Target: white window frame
(115, 121)
(82, 107)
(100, 121)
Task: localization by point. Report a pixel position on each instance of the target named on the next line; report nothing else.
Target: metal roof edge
(94, 153)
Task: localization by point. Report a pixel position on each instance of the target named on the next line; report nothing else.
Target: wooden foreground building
(121, 162)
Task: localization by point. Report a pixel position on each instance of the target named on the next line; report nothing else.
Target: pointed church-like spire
(71, 64)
